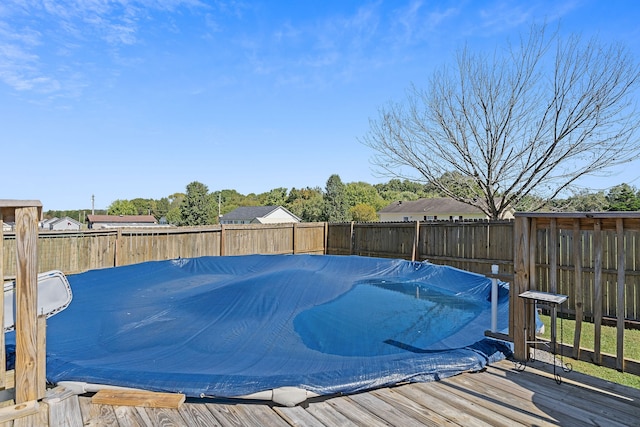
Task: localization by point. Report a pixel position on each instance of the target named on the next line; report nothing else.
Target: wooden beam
(42, 355)
(578, 289)
(26, 304)
(10, 413)
(620, 300)
(416, 242)
(147, 399)
(517, 315)
(597, 291)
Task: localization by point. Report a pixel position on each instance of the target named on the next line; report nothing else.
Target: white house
(432, 209)
(259, 215)
(65, 223)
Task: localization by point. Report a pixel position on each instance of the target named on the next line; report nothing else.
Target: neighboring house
(259, 215)
(65, 223)
(45, 224)
(120, 221)
(432, 209)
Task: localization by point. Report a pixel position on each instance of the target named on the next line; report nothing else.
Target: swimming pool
(241, 325)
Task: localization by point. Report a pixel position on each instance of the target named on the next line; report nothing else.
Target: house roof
(431, 206)
(244, 213)
(66, 218)
(146, 219)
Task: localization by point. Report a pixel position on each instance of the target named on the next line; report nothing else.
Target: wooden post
(27, 357)
(42, 355)
(416, 242)
(351, 245)
(597, 291)
(293, 238)
(578, 290)
(116, 249)
(553, 269)
(222, 231)
(521, 259)
(326, 237)
(620, 308)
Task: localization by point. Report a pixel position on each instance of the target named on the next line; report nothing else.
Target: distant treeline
(337, 202)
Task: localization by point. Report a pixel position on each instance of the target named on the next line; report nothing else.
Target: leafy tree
(335, 204)
(275, 197)
(363, 213)
(357, 193)
(584, 201)
(623, 197)
(197, 206)
(121, 207)
(306, 203)
(144, 206)
(530, 119)
(162, 208)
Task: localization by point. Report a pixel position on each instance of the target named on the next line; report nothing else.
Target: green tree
(306, 203)
(335, 204)
(121, 207)
(532, 118)
(363, 213)
(584, 201)
(357, 193)
(275, 197)
(144, 206)
(623, 197)
(162, 208)
(197, 207)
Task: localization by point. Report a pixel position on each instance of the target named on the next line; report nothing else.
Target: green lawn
(607, 345)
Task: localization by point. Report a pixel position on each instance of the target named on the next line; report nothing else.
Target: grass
(607, 345)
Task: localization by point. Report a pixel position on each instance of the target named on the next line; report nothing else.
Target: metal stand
(553, 301)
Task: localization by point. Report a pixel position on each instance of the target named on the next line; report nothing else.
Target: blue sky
(137, 98)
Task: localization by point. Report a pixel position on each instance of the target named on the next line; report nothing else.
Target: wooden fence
(596, 263)
(590, 257)
(75, 252)
(472, 246)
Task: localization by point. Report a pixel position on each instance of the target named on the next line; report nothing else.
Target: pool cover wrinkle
(236, 325)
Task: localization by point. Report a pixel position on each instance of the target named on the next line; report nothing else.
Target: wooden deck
(499, 396)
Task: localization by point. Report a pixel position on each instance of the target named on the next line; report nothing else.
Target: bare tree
(527, 120)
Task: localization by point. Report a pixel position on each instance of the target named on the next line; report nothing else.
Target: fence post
(620, 307)
(416, 241)
(521, 263)
(578, 294)
(27, 305)
(597, 291)
(222, 231)
(352, 237)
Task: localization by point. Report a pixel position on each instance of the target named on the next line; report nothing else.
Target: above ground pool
(241, 325)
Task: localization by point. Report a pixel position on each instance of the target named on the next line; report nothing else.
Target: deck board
(500, 395)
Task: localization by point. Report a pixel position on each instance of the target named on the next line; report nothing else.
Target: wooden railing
(590, 257)
(30, 362)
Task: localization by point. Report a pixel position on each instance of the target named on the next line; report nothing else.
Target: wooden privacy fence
(590, 257)
(74, 252)
(472, 246)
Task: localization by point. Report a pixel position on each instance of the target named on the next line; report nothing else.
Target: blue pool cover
(232, 326)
